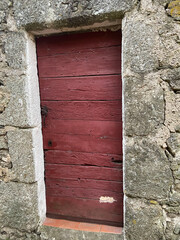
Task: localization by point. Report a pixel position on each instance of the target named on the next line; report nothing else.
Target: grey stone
(172, 76)
(143, 221)
(53, 233)
(147, 170)
(4, 4)
(3, 142)
(23, 157)
(144, 109)
(169, 231)
(16, 113)
(2, 131)
(14, 234)
(177, 128)
(15, 50)
(177, 229)
(173, 9)
(5, 160)
(139, 41)
(19, 208)
(4, 98)
(2, 17)
(34, 15)
(174, 200)
(173, 143)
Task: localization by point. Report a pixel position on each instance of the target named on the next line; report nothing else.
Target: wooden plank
(86, 184)
(52, 45)
(74, 171)
(69, 191)
(85, 208)
(82, 143)
(84, 110)
(79, 158)
(103, 129)
(80, 85)
(100, 61)
(81, 88)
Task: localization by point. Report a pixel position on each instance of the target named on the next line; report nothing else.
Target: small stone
(172, 76)
(177, 174)
(174, 9)
(177, 187)
(3, 142)
(174, 166)
(173, 143)
(177, 229)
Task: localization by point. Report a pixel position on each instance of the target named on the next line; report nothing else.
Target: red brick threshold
(89, 227)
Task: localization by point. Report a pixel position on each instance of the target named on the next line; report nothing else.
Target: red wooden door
(80, 87)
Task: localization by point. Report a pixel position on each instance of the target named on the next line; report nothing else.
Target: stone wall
(151, 82)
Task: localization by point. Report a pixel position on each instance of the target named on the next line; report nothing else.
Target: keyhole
(50, 143)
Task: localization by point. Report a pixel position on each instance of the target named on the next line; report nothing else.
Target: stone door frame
(150, 64)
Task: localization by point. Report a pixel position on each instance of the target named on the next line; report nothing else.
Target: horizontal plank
(91, 62)
(79, 158)
(85, 183)
(73, 42)
(103, 129)
(67, 171)
(83, 193)
(81, 143)
(95, 194)
(85, 208)
(106, 87)
(84, 110)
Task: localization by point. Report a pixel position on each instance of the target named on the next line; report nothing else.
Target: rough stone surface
(21, 150)
(144, 102)
(15, 50)
(174, 9)
(172, 76)
(151, 76)
(49, 233)
(148, 173)
(18, 206)
(55, 14)
(144, 220)
(16, 112)
(14, 234)
(139, 49)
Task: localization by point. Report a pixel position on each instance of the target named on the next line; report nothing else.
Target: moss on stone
(174, 9)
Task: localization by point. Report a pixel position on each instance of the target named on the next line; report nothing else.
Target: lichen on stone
(174, 9)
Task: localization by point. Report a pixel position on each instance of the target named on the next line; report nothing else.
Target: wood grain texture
(66, 43)
(103, 129)
(80, 158)
(84, 110)
(81, 88)
(81, 143)
(82, 193)
(85, 208)
(89, 172)
(80, 84)
(112, 186)
(91, 62)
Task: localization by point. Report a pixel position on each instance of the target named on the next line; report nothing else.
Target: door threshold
(82, 226)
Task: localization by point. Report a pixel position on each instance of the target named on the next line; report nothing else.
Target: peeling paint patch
(106, 199)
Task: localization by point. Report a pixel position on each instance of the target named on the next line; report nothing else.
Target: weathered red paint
(80, 86)
(83, 158)
(84, 110)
